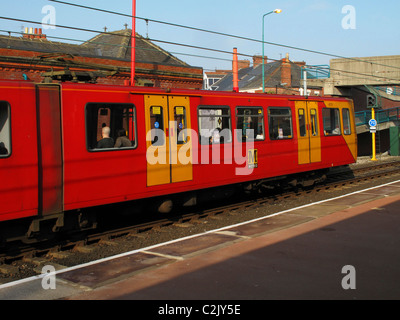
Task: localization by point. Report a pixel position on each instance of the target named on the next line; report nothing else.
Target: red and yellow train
(180, 142)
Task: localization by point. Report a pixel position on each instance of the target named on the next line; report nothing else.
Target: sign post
(372, 128)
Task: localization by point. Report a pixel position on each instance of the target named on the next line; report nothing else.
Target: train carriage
(180, 141)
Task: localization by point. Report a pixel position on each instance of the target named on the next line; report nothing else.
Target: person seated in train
(336, 130)
(3, 149)
(107, 141)
(215, 137)
(122, 140)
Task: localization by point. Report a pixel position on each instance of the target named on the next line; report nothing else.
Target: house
(281, 77)
(103, 59)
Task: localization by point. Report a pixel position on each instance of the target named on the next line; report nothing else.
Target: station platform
(342, 249)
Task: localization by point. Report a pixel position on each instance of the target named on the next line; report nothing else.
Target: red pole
(133, 43)
(235, 71)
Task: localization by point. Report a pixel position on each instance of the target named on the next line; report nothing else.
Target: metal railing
(391, 90)
(381, 116)
(322, 71)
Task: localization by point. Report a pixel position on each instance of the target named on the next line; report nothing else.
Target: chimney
(30, 33)
(286, 72)
(257, 60)
(243, 64)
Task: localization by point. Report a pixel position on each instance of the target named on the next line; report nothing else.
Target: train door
(18, 151)
(49, 149)
(309, 139)
(168, 143)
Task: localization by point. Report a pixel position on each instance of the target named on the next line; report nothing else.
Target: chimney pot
(257, 60)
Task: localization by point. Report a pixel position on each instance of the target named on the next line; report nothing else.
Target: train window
(180, 119)
(346, 121)
(5, 130)
(302, 123)
(280, 123)
(250, 123)
(314, 122)
(214, 125)
(331, 118)
(157, 125)
(121, 121)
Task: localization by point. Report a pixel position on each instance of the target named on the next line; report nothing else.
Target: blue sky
(310, 24)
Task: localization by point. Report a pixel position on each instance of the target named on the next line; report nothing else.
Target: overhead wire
(117, 45)
(221, 33)
(178, 44)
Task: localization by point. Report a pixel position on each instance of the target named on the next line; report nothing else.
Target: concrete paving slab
(268, 225)
(109, 271)
(387, 190)
(195, 245)
(34, 290)
(354, 199)
(319, 210)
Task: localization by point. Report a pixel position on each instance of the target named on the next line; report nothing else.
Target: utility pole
(133, 43)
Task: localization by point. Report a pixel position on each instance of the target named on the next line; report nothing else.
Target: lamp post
(263, 76)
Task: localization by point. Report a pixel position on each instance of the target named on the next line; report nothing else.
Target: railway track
(24, 260)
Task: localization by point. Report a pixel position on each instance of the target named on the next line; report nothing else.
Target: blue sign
(156, 124)
(372, 123)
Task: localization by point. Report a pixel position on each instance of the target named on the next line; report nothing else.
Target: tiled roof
(114, 45)
(251, 78)
(117, 45)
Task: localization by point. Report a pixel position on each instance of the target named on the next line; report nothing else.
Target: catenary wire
(222, 34)
(180, 44)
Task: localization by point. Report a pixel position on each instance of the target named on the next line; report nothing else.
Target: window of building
(346, 121)
(5, 130)
(331, 120)
(110, 126)
(250, 123)
(214, 125)
(280, 123)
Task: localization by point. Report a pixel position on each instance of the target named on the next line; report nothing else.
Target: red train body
(50, 163)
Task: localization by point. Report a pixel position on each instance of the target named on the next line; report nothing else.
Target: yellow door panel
(315, 138)
(169, 147)
(180, 142)
(157, 142)
(309, 139)
(302, 132)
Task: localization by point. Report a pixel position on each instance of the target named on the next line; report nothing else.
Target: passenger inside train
(107, 141)
(122, 140)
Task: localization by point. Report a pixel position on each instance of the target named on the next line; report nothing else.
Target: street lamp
(263, 76)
